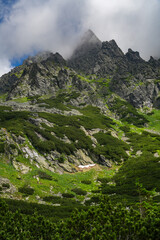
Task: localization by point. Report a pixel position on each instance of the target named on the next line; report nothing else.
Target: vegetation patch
(127, 112)
(103, 180)
(26, 190)
(88, 182)
(62, 158)
(53, 199)
(146, 142)
(13, 146)
(21, 100)
(13, 121)
(5, 108)
(68, 195)
(79, 191)
(20, 158)
(98, 222)
(48, 211)
(18, 74)
(60, 101)
(144, 169)
(92, 118)
(111, 147)
(66, 201)
(44, 175)
(2, 147)
(76, 135)
(52, 143)
(93, 200)
(154, 120)
(5, 185)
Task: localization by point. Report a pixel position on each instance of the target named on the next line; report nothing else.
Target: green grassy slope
(124, 142)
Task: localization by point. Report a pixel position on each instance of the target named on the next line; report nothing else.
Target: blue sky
(5, 7)
(18, 61)
(30, 26)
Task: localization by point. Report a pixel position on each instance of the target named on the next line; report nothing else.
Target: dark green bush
(26, 190)
(52, 199)
(79, 191)
(5, 108)
(68, 195)
(150, 113)
(13, 146)
(65, 201)
(61, 159)
(103, 180)
(157, 199)
(2, 147)
(96, 191)
(44, 175)
(86, 182)
(6, 185)
(125, 128)
(94, 199)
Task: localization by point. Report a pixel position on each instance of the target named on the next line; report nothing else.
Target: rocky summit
(93, 111)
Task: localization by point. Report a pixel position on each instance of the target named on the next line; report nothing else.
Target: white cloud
(35, 25)
(5, 66)
(40, 24)
(132, 23)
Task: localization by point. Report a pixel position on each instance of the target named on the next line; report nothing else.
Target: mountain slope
(59, 116)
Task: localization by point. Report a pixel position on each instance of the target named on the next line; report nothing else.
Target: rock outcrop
(132, 78)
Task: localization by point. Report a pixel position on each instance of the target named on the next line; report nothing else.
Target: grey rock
(21, 167)
(67, 167)
(12, 189)
(133, 56)
(103, 161)
(21, 140)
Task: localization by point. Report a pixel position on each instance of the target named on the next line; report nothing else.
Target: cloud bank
(132, 23)
(28, 26)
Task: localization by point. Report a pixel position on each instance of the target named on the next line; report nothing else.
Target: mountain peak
(43, 56)
(90, 37)
(111, 48)
(133, 55)
(38, 57)
(88, 43)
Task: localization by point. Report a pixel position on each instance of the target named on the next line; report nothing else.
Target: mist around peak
(30, 26)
